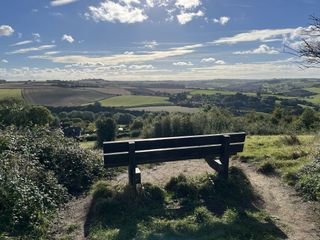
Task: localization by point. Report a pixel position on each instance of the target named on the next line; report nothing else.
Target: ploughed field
(59, 96)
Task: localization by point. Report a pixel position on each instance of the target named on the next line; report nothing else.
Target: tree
(39, 115)
(308, 118)
(106, 130)
(310, 48)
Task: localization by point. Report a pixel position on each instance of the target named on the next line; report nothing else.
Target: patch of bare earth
(299, 219)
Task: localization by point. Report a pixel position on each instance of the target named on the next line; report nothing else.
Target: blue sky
(153, 39)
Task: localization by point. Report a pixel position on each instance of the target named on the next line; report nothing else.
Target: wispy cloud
(21, 43)
(181, 64)
(256, 35)
(32, 49)
(262, 49)
(56, 3)
(122, 58)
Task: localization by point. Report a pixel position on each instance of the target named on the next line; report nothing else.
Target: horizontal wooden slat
(184, 141)
(113, 147)
(168, 155)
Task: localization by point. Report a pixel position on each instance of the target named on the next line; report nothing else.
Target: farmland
(54, 96)
(170, 109)
(4, 93)
(135, 101)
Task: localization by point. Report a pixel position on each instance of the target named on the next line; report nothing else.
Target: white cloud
(32, 49)
(275, 69)
(212, 60)
(183, 64)
(56, 3)
(150, 44)
(256, 35)
(122, 58)
(262, 49)
(36, 37)
(208, 60)
(110, 11)
(67, 38)
(188, 4)
(6, 30)
(185, 17)
(222, 20)
(4, 61)
(51, 52)
(141, 67)
(220, 62)
(21, 43)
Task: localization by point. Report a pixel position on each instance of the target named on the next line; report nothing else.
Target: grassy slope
(4, 93)
(275, 155)
(134, 101)
(202, 208)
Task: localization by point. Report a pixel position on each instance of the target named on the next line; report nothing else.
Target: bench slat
(167, 155)
(173, 142)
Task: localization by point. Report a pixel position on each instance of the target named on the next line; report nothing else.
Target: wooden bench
(215, 149)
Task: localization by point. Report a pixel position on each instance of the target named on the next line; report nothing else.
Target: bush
(38, 171)
(309, 180)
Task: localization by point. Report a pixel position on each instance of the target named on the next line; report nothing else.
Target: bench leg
(224, 157)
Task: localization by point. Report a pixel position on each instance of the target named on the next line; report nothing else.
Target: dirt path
(298, 218)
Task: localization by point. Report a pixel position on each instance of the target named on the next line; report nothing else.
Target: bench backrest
(157, 150)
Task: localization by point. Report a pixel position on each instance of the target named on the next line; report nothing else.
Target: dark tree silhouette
(310, 47)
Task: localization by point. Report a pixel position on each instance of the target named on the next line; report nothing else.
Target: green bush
(39, 169)
(309, 180)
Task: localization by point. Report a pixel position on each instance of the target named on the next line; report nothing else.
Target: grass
(135, 101)
(5, 93)
(222, 92)
(88, 144)
(171, 109)
(284, 156)
(202, 208)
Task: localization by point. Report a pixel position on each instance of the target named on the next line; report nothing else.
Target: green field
(222, 92)
(135, 101)
(5, 93)
(316, 98)
(171, 109)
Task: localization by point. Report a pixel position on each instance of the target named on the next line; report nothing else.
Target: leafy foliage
(39, 171)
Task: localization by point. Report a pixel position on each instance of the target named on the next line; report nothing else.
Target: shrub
(38, 171)
(309, 180)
